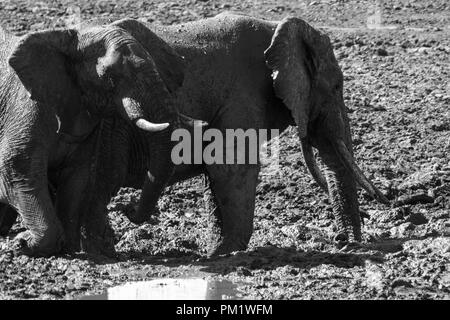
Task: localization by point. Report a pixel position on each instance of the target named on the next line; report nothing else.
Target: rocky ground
(397, 94)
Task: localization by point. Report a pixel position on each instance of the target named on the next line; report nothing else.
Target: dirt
(397, 93)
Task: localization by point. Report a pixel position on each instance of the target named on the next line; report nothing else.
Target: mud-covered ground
(397, 93)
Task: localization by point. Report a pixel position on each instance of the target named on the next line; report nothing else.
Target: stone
(417, 218)
(402, 231)
(381, 52)
(421, 179)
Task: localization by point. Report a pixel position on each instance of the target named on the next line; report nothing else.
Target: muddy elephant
(247, 73)
(67, 96)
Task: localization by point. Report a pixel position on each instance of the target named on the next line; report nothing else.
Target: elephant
(245, 72)
(62, 93)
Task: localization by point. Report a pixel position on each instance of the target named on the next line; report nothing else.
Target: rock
(37, 26)
(135, 235)
(10, 7)
(242, 271)
(82, 286)
(421, 197)
(349, 43)
(406, 44)
(440, 126)
(437, 246)
(381, 52)
(189, 214)
(421, 179)
(386, 216)
(401, 282)
(407, 143)
(402, 231)
(423, 50)
(296, 232)
(417, 218)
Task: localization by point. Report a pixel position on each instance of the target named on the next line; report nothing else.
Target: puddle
(171, 289)
(365, 29)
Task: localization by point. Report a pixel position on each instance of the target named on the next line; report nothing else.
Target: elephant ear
(170, 65)
(40, 60)
(294, 58)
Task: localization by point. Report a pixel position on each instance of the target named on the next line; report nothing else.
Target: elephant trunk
(153, 185)
(160, 169)
(343, 196)
(162, 111)
(341, 175)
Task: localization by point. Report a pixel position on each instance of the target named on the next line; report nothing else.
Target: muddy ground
(397, 94)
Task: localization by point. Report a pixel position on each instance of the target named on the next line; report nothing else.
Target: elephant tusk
(150, 126)
(190, 122)
(312, 166)
(347, 159)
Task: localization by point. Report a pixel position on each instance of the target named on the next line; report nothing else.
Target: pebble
(401, 282)
(417, 218)
(402, 231)
(421, 197)
(381, 52)
(420, 179)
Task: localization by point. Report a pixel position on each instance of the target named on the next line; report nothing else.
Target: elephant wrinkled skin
(244, 72)
(68, 97)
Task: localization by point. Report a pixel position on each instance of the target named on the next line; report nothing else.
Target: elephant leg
(152, 190)
(107, 171)
(44, 235)
(234, 190)
(70, 203)
(8, 216)
(97, 236)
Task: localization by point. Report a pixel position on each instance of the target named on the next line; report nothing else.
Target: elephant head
(91, 69)
(83, 74)
(307, 77)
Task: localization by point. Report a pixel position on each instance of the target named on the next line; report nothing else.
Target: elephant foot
(346, 243)
(100, 245)
(4, 230)
(345, 237)
(99, 248)
(71, 246)
(28, 244)
(226, 247)
(8, 217)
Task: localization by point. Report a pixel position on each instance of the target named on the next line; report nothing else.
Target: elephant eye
(107, 78)
(109, 82)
